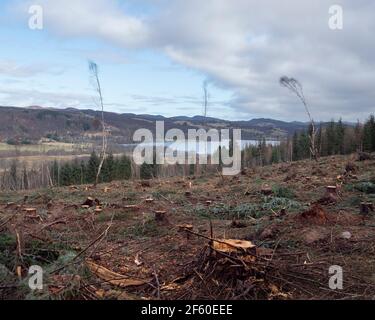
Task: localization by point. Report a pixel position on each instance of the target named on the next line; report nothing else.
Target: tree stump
(160, 216)
(146, 183)
(98, 209)
(367, 207)
(266, 190)
(10, 205)
(331, 190)
(31, 212)
(184, 228)
(149, 200)
(91, 202)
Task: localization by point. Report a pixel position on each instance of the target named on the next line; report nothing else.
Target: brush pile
(234, 269)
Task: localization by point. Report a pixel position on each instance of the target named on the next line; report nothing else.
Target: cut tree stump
(185, 228)
(160, 215)
(367, 207)
(31, 211)
(146, 184)
(149, 200)
(91, 202)
(98, 209)
(331, 190)
(266, 190)
(11, 205)
(232, 245)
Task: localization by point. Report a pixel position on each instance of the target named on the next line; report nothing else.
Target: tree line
(334, 138)
(84, 172)
(331, 139)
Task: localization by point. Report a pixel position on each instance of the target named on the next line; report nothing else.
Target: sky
(154, 55)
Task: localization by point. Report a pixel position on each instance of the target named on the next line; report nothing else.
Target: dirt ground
(115, 248)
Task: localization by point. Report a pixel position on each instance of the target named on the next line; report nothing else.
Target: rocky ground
(168, 239)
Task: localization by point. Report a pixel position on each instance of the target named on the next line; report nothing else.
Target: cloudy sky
(154, 56)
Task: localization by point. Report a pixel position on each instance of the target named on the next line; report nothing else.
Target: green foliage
(147, 171)
(246, 210)
(366, 187)
(283, 192)
(278, 203)
(80, 172)
(7, 246)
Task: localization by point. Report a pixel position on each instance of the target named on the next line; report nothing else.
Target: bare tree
(295, 87)
(94, 72)
(205, 96)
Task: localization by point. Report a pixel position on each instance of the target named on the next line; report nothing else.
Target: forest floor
(293, 231)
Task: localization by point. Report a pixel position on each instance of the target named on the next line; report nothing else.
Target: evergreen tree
(147, 171)
(108, 170)
(340, 133)
(123, 168)
(92, 167)
(330, 138)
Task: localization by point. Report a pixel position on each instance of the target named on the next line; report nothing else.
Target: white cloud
(13, 69)
(245, 46)
(90, 18)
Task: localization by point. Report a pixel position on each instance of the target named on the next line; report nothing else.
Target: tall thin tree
(205, 97)
(94, 72)
(295, 87)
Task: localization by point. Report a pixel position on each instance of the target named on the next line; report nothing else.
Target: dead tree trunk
(95, 74)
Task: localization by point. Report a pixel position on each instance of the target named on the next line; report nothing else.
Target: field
(168, 238)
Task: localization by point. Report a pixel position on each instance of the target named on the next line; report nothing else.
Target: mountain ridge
(71, 124)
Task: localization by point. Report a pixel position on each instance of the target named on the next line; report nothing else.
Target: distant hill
(34, 123)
